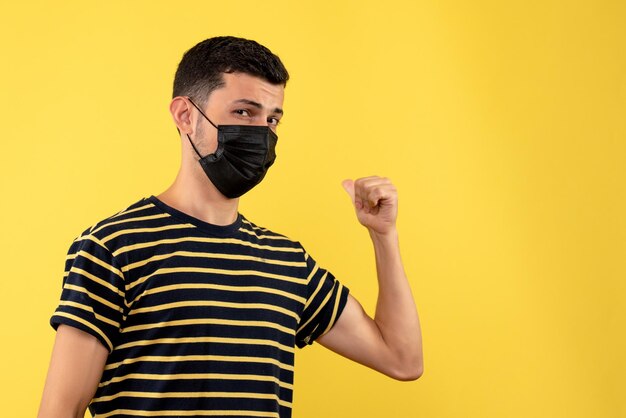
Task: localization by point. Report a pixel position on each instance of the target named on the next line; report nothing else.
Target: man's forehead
(241, 88)
(243, 81)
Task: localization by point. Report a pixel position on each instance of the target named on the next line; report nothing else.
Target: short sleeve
(326, 299)
(92, 298)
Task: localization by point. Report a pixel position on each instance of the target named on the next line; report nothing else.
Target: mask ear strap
(193, 146)
(206, 117)
(199, 110)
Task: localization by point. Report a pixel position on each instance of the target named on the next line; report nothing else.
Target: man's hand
(375, 201)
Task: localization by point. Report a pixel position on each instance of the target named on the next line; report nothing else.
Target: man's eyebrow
(277, 110)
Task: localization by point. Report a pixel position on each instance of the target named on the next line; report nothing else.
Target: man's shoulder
(146, 221)
(140, 212)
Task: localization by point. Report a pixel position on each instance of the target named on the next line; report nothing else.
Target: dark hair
(200, 70)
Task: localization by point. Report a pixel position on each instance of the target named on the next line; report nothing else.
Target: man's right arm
(76, 367)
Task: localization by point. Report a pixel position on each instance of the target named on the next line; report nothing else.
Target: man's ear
(181, 113)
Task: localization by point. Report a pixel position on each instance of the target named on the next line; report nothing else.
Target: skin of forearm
(396, 314)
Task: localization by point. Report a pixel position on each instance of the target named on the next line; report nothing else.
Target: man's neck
(193, 194)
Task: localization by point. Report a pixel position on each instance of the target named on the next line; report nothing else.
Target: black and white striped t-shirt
(199, 319)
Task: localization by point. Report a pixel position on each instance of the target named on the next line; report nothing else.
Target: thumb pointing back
(348, 186)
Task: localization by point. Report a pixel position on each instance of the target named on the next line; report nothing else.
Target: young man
(180, 306)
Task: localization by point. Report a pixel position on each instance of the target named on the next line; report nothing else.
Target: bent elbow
(408, 373)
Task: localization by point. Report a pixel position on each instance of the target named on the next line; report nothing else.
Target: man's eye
(242, 112)
(273, 121)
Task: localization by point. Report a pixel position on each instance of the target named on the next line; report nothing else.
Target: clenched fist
(375, 201)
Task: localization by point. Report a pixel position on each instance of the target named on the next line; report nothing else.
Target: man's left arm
(391, 342)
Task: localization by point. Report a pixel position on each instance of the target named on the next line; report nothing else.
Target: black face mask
(243, 156)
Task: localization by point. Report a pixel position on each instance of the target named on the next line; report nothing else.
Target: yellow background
(502, 124)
